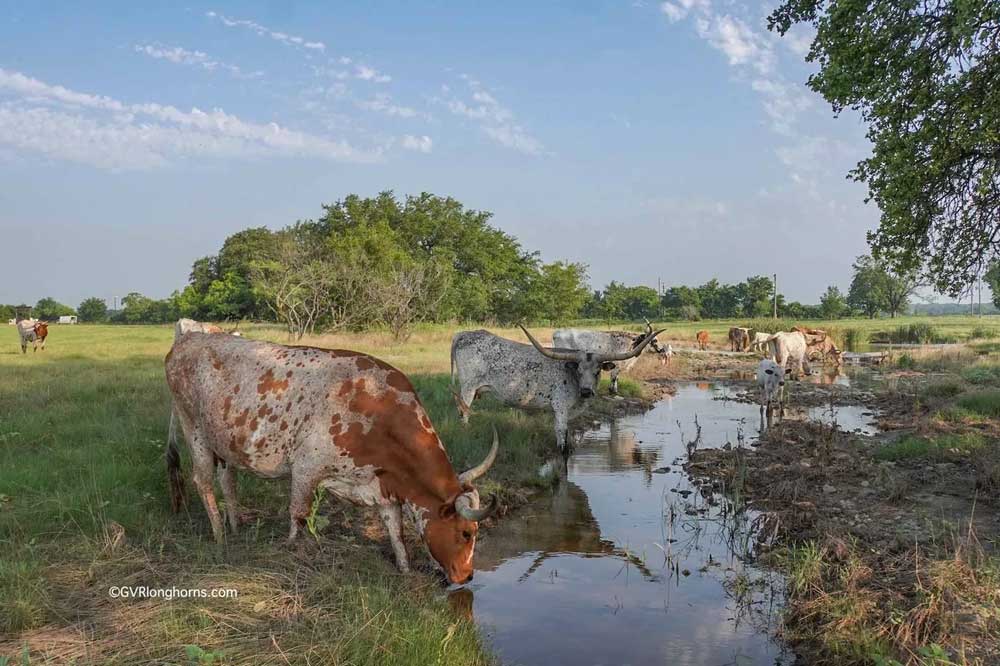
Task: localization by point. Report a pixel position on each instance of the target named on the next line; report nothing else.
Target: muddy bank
(885, 558)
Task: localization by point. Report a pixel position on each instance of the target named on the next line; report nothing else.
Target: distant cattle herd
(353, 424)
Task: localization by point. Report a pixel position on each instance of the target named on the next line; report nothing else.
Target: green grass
(984, 403)
(943, 389)
(982, 374)
(912, 447)
(82, 430)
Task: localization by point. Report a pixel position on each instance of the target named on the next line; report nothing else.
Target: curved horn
(559, 356)
(635, 351)
(463, 509)
(649, 327)
(470, 475)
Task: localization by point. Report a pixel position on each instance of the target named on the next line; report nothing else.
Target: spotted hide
(336, 419)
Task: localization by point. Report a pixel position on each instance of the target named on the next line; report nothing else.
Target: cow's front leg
(562, 431)
(227, 479)
(299, 503)
(614, 381)
(393, 519)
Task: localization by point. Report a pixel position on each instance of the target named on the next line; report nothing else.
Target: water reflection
(622, 566)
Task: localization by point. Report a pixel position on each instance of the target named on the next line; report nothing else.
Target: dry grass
(849, 605)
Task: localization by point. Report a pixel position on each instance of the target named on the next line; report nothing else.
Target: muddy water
(626, 562)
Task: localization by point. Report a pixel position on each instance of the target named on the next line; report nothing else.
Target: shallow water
(626, 562)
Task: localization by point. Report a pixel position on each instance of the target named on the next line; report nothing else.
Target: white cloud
(782, 101)
(366, 73)
(679, 9)
(108, 133)
(264, 31)
(422, 144)
(181, 56)
(496, 120)
(383, 103)
(737, 41)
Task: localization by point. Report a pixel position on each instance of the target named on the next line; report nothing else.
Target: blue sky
(670, 141)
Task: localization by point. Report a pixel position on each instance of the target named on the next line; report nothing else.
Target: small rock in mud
(661, 470)
(827, 488)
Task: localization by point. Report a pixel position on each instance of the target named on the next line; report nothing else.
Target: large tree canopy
(925, 76)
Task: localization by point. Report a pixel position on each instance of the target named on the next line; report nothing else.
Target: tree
(755, 296)
(93, 310)
(897, 289)
(408, 294)
(682, 302)
(865, 293)
(557, 292)
(832, 304)
(49, 308)
(924, 76)
(992, 277)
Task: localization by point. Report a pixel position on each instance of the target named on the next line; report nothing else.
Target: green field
(83, 506)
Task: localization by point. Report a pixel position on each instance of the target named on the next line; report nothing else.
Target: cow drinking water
(336, 419)
(529, 376)
(607, 342)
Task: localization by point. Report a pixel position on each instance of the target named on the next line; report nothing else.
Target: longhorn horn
(649, 327)
(635, 351)
(559, 356)
(470, 475)
(463, 509)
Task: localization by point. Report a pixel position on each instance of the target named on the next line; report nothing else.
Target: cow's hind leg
(227, 479)
(393, 519)
(202, 463)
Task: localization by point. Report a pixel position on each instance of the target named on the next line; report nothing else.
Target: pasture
(84, 507)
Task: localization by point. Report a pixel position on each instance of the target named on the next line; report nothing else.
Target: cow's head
(450, 534)
(654, 344)
(587, 365)
(41, 329)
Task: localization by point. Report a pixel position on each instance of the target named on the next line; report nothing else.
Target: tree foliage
(93, 310)
(925, 76)
(50, 309)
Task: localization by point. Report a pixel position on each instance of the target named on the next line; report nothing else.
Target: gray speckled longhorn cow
(329, 418)
(607, 342)
(536, 379)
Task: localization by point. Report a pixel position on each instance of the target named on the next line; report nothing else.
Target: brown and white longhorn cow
(336, 419)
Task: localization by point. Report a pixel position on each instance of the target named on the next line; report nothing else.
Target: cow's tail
(175, 475)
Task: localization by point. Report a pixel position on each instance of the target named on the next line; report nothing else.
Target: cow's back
(516, 373)
(264, 406)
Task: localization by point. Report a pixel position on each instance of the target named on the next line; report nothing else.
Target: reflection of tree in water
(563, 523)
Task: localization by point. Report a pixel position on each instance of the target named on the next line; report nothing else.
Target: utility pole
(775, 301)
(980, 278)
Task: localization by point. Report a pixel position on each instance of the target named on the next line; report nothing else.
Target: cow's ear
(769, 371)
(607, 366)
(447, 510)
(572, 365)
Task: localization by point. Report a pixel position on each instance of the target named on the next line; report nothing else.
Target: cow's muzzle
(586, 393)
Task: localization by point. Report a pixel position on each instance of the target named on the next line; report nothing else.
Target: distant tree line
(385, 262)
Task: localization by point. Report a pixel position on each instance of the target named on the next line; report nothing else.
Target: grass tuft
(912, 447)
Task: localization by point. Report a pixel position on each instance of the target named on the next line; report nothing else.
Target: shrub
(982, 375)
(944, 389)
(982, 333)
(906, 362)
(986, 403)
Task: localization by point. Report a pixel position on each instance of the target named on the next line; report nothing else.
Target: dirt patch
(872, 525)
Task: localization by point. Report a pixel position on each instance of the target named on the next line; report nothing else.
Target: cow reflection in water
(562, 525)
(625, 453)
